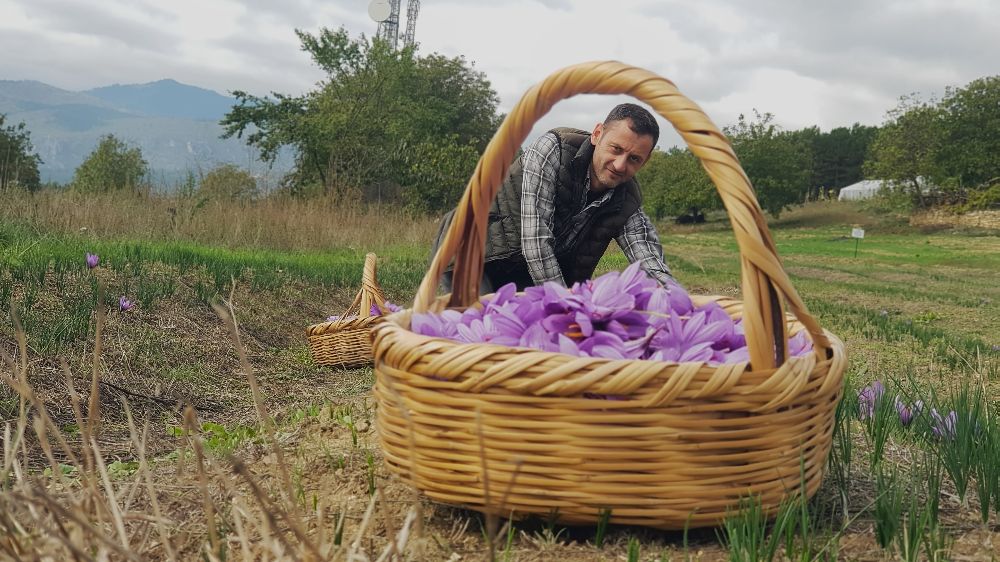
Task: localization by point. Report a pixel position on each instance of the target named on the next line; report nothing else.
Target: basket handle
(369, 294)
(765, 283)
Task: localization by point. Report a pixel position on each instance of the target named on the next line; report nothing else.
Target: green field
(918, 310)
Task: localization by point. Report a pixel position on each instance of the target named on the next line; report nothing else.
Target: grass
(266, 446)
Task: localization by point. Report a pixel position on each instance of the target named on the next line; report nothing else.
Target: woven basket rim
(342, 324)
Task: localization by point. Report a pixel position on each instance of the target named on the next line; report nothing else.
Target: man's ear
(596, 135)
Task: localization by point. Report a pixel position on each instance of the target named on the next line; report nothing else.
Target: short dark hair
(642, 121)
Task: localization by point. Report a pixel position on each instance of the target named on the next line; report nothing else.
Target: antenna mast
(412, 7)
(386, 13)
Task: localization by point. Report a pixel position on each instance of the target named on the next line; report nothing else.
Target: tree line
(394, 126)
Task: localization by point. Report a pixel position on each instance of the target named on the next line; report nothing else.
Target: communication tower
(386, 13)
(412, 7)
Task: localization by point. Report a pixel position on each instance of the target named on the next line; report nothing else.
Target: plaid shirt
(637, 238)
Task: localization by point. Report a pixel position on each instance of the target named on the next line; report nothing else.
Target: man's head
(623, 143)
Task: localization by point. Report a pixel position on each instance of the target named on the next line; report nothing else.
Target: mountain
(175, 125)
(166, 98)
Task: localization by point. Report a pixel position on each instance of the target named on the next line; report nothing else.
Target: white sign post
(857, 234)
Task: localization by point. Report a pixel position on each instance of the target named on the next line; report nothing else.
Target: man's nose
(620, 163)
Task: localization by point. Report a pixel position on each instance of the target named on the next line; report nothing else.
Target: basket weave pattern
(347, 342)
(505, 430)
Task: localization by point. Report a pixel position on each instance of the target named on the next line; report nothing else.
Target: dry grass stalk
(191, 427)
(94, 405)
(398, 545)
(147, 478)
(353, 553)
(109, 490)
(390, 530)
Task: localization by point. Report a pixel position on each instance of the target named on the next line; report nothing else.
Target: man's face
(618, 154)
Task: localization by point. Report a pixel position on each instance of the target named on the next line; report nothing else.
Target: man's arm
(639, 242)
(538, 191)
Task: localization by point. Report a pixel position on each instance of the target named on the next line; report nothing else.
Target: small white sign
(857, 233)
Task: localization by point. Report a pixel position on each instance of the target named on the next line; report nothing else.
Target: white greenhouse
(864, 189)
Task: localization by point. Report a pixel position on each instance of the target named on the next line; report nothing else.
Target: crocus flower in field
(944, 428)
(908, 413)
(868, 397)
(92, 260)
(124, 304)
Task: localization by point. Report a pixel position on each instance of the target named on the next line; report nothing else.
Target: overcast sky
(826, 63)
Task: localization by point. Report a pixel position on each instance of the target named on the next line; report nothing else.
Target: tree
(906, 149)
(381, 117)
(838, 156)
(228, 182)
(969, 152)
(18, 161)
(112, 166)
(778, 163)
(674, 183)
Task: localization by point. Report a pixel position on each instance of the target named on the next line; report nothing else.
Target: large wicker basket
(347, 341)
(518, 431)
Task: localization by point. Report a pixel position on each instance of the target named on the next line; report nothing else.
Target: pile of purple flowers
(389, 308)
(623, 315)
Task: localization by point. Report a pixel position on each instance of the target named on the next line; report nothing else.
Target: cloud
(823, 63)
(122, 27)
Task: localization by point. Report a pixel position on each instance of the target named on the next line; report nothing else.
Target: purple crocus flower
(375, 310)
(944, 427)
(739, 355)
(634, 281)
(392, 307)
(504, 324)
(472, 332)
(556, 298)
(604, 344)
(92, 260)
(799, 345)
(436, 325)
(574, 325)
(332, 318)
(908, 413)
(603, 299)
(691, 339)
(537, 337)
(868, 398)
(680, 302)
(124, 304)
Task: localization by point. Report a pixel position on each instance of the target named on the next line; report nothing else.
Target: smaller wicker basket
(347, 342)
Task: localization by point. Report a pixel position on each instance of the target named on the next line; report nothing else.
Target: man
(566, 198)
